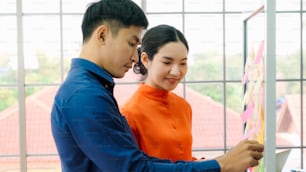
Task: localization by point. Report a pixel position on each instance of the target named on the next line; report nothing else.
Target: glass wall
(39, 38)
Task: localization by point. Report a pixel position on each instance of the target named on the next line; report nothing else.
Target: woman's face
(168, 67)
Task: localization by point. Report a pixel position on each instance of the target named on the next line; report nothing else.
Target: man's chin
(119, 75)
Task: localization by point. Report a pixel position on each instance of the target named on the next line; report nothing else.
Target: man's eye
(132, 44)
(167, 63)
(183, 64)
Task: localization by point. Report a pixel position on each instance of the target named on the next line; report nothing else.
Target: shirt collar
(152, 92)
(104, 77)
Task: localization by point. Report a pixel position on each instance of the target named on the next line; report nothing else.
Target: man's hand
(244, 155)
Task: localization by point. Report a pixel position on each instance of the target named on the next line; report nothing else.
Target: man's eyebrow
(167, 57)
(170, 58)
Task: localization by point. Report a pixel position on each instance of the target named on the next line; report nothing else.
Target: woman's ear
(145, 59)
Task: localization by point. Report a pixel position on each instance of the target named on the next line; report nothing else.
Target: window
(38, 42)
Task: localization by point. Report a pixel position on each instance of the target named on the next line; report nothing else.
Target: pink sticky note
(260, 52)
(249, 133)
(245, 116)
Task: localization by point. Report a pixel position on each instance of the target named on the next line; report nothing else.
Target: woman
(160, 119)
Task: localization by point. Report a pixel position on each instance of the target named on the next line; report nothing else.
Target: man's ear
(145, 59)
(100, 34)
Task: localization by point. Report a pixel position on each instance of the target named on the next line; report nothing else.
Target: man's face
(121, 50)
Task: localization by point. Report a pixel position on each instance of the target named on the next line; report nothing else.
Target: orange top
(161, 123)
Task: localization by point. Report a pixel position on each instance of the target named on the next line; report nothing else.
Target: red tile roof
(39, 139)
(289, 117)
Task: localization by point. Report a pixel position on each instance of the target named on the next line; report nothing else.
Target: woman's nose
(175, 70)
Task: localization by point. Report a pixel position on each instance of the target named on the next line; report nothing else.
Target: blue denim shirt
(92, 136)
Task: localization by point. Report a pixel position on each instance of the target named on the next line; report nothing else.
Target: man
(90, 133)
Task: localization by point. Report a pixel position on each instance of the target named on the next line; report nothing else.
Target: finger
(257, 155)
(259, 148)
(256, 147)
(254, 161)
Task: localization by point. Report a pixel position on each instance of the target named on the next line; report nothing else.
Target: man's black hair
(117, 13)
